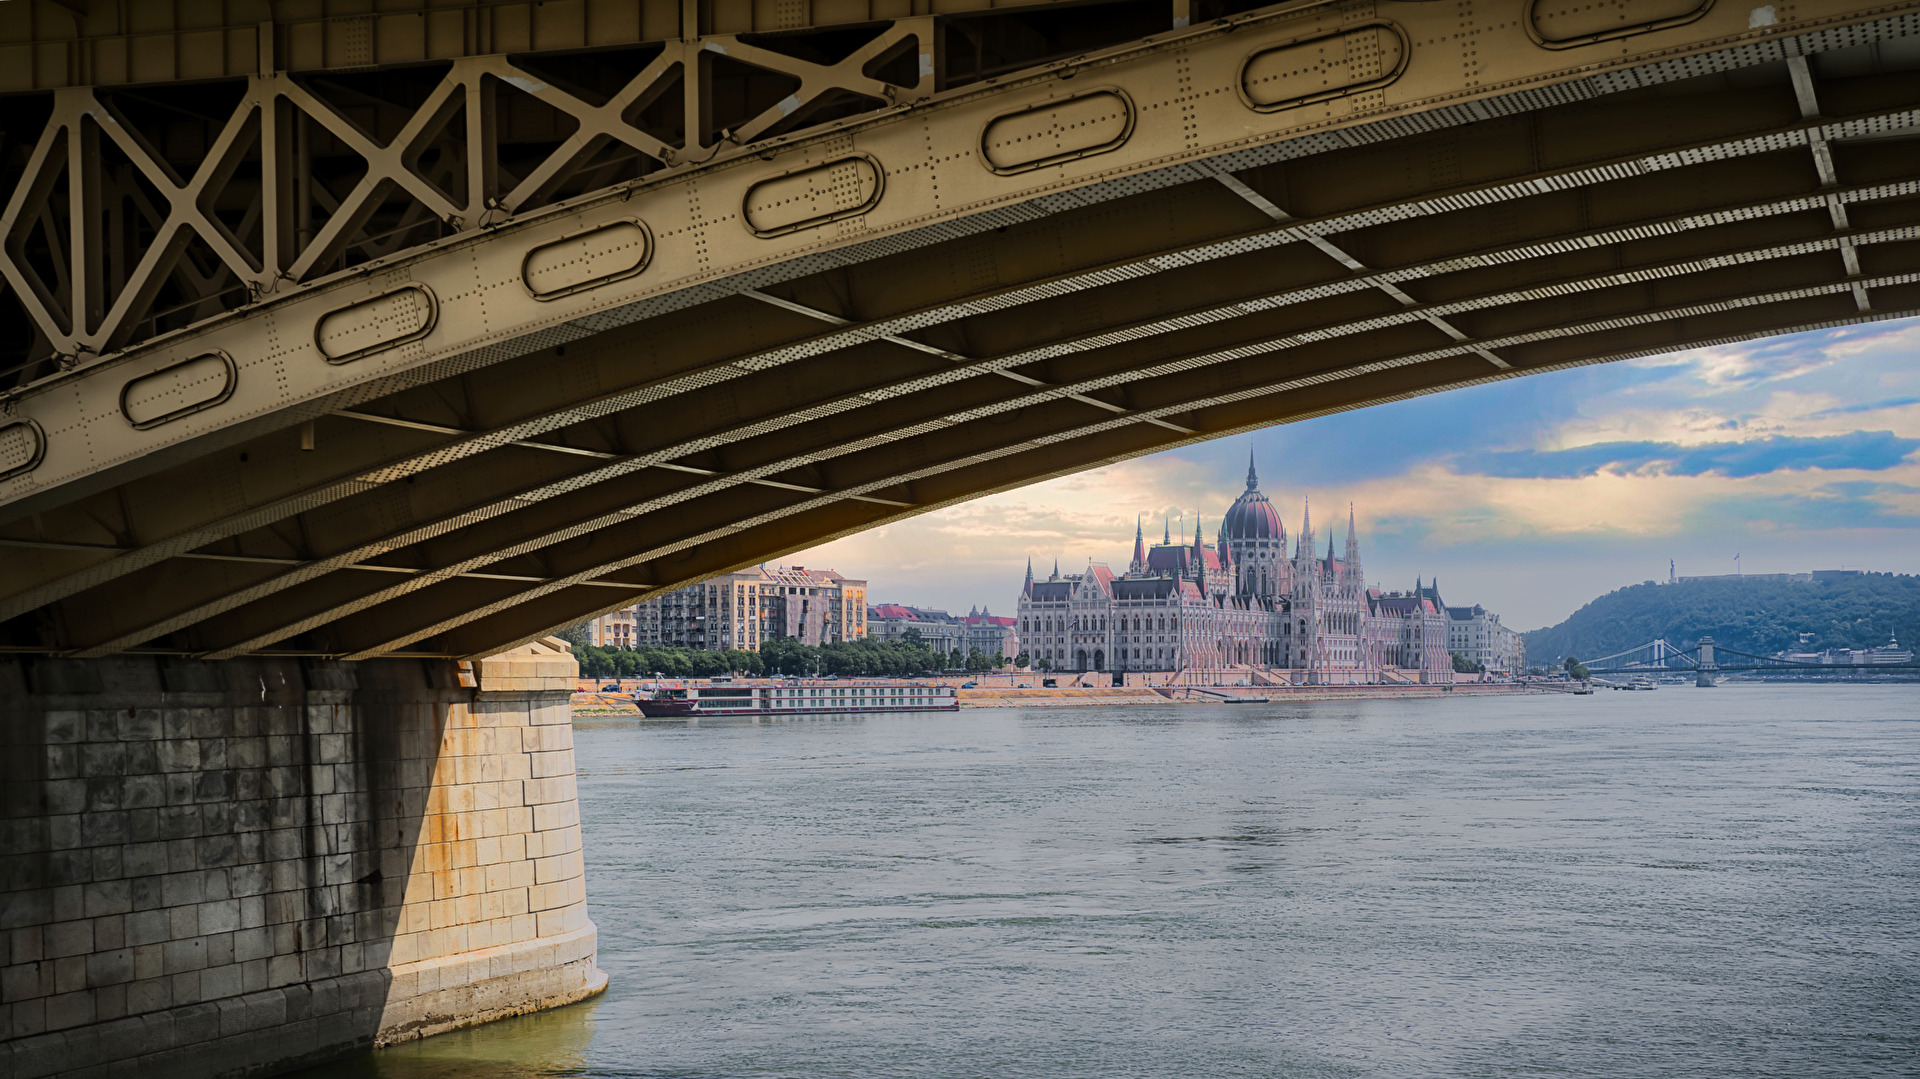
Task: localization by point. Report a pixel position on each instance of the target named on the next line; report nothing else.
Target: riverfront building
(741, 610)
(1476, 635)
(1243, 604)
(976, 631)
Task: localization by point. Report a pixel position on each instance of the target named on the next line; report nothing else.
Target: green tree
(579, 635)
(1045, 664)
(1022, 660)
(1577, 669)
(594, 662)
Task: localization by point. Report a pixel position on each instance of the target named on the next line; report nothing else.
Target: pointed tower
(1253, 478)
(1139, 565)
(1027, 589)
(1056, 570)
(1166, 532)
(1303, 546)
(1199, 562)
(1353, 549)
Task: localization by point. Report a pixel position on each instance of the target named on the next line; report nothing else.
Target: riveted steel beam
(1510, 189)
(1745, 237)
(1167, 394)
(753, 227)
(1338, 225)
(1699, 250)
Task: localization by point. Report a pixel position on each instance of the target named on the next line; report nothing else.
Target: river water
(1689, 882)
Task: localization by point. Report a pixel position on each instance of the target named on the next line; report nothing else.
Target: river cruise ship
(793, 698)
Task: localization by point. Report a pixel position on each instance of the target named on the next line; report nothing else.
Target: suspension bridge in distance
(1706, 660)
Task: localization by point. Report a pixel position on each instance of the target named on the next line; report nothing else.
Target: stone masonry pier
(222, 869)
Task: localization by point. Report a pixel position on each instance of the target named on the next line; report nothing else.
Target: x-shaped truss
(83, 301)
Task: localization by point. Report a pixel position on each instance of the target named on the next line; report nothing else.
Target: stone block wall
(236, 868)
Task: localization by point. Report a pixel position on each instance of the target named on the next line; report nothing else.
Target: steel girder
(1739, 191)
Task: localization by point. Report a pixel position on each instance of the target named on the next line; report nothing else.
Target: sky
(1530, 496)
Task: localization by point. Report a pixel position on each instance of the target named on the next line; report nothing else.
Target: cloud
(1864, 406)
(1872, 451)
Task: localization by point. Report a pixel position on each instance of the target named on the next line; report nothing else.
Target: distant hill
(1751, 614)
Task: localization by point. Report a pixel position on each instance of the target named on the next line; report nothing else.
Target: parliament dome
(1252, 517)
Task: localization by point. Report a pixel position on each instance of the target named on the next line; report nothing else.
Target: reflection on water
(524, 1047)
(1683, 883)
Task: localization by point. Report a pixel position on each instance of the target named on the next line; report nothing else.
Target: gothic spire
(1353, 546)
(1166, 531)
(1139, 548)
(1253, 478)
(1027, 589)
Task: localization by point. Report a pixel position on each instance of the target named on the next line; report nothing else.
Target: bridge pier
(218, 869)
(1704, 679)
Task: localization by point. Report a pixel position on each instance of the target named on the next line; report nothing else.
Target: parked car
(1026, 685)
(610, 688)
(969, 685)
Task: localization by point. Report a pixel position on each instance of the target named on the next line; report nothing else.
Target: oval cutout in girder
(1565, 24)
(812, 196)
(587, 259)
(181, 389)
(1317, 69)
(392, 318)
(1090, 123)
(22, 445)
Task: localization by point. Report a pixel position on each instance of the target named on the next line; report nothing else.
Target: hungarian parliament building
(1243, 603)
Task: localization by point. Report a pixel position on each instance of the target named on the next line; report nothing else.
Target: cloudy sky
(1531, 496)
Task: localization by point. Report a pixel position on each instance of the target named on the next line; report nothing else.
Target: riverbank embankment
(606, 704)
(1097, 696)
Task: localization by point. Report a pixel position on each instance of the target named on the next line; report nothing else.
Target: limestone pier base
(227, 869)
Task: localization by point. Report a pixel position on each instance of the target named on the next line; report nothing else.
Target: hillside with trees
(1753, 614)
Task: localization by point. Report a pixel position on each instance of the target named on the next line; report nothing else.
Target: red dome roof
(1251, 516)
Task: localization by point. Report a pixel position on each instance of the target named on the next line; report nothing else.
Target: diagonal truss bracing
(423, 167)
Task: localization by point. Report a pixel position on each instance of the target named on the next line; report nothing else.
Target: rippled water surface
(1686, 882)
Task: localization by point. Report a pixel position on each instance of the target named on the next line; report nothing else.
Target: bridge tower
(1704, 679)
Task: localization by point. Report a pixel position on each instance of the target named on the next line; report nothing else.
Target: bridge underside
(568, 399)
